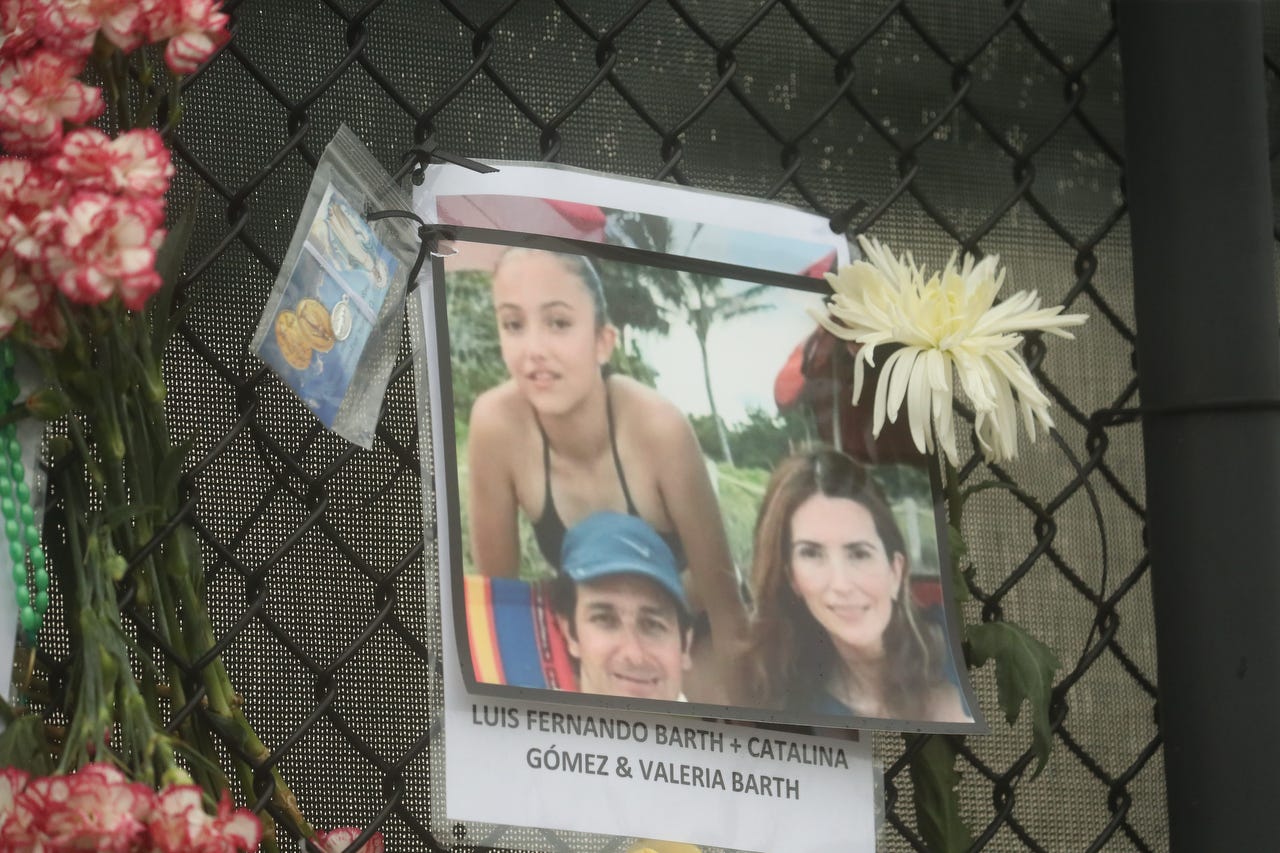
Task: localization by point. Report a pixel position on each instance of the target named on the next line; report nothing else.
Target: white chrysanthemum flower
(947, 326)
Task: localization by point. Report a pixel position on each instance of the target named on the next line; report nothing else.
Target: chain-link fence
(985, 127)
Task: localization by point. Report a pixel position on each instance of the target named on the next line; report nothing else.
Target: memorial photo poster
(530, 764)
(647, 444)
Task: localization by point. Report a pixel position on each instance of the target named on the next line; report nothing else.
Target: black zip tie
(429, 234)
(421, 155)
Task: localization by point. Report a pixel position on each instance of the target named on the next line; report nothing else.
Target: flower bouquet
(148, 723)
(948, 340)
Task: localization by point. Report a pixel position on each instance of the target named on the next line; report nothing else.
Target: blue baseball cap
(614, 543)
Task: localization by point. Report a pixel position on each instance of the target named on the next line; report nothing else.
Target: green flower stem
(152, 379)
(955, 497)
(228, 715)
(181, 565)
(122, 462)
(208, 773)
(98, 679)
(1024, 670)
(160, 602)
(120, 75)
(86, 677)
(934, 779)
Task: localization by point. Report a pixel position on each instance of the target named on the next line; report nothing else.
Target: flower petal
(918, 406)
(956, 340)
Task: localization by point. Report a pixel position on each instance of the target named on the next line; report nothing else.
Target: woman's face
(547, 331)
(840, 570)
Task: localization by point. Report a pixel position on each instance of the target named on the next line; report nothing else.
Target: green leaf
(123, 516)
(934, 783)
(159, 97)
(960, 581)
(23, 744)
(169, 266)
(1024, 672)
(955, 540)
(170, 467)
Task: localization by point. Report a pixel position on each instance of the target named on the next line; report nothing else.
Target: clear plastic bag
(331, 328)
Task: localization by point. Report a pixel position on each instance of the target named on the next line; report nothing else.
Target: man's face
(628, 640)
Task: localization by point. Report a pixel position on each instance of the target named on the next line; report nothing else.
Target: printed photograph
(329, 306)
(662, 498)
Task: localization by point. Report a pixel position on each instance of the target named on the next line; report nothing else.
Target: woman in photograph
(562, 438)
(835, 630)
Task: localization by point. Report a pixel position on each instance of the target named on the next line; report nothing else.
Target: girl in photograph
(835, 630)
(562, 438)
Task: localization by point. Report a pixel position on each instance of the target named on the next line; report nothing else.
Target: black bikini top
(549, 530)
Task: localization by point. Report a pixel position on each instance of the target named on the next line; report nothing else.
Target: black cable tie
(375, 215)
(421, 155)
(465, 162)
(429, 234)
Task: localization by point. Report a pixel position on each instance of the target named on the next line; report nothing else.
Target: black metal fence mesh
(986, 127)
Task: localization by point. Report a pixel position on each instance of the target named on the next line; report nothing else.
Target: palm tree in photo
(634, 291)
(705, 300)
(699, 299)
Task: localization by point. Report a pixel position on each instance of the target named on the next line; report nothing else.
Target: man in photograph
(623, 610)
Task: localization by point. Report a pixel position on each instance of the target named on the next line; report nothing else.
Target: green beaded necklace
(19, 519)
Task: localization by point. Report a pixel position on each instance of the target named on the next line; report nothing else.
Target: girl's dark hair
(578, 265)
(791, 656)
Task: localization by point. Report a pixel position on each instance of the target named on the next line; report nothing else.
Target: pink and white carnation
(20, 300)
(135, 163)
(338, 840)
(71, 25)
(196, 29)
(31, 207)
(21, 816)
(108, 247)
(180, 824)
(47, 328)
(38, 92)
(19, 21)
(96, 808)
(12, 783)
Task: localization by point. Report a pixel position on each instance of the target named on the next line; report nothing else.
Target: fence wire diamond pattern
(991, 127)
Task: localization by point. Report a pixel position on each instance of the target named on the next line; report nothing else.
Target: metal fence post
(1199, 192)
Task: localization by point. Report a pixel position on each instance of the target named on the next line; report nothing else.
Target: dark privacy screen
(936, 126)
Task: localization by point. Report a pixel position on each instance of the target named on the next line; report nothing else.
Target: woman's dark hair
(791, 656)
(578, 265)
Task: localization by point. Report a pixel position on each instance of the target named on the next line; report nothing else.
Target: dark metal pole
(1199, 193)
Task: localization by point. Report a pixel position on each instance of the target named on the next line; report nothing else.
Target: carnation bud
(111, 441)
(48, 404)
(184, 552)
(153, 384)
(108, 664)
(116, 567)
(58, 447)
(175, 775)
